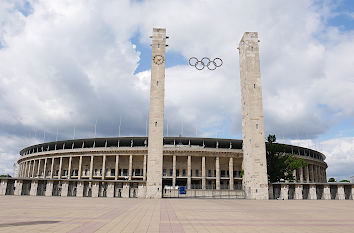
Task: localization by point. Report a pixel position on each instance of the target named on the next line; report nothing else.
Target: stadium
(118, 166)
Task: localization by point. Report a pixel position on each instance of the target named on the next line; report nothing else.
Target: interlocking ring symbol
(205, 62)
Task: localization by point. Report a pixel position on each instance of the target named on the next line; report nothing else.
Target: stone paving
(58, 214)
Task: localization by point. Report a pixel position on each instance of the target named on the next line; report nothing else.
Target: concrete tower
(156, 116)
(255, 180)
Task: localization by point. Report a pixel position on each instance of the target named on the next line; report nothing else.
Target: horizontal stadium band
(192, 162)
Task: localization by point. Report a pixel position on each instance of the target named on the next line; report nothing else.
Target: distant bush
(345, 181)
(7, 175)
(332, 180)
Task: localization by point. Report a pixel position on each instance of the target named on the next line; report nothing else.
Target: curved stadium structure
(196, 163)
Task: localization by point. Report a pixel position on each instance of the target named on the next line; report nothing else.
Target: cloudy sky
(66, 66)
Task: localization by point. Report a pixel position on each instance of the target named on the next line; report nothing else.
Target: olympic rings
(205, 62)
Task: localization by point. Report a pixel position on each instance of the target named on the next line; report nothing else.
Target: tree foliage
(331, 179)
(280, 165)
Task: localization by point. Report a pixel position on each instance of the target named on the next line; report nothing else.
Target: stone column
(33, 167)
(29, 168)
(284, 191)
(144, 168)
(64, 188)
(45, 168)
(189, 175)
(312, 192)
(18, 188)
(80, 189)
(49, 189)
(34, 186)
(141, 191)
(39, 168)
(174, 171)
(217, 166)
(255, 179)
(298, 191)
(80, 168)
(24, 174)
(326, 192)
(307, 174)
(311, 173)
(203, 173)
(60, 166)
(294, 175)
(270, 191)
(69, 169)
(301, 174)
(156, 114)
(91, 167)
(3, 185)
(231, 173)
(352, 195)
(130, 166)
(110, 189)
(103, 167)
(340, 193)
(125, 191)
(116, 168)
(95, 188)
(52, 169)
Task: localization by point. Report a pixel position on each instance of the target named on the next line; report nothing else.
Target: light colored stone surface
(56, 214)
(156, 116)
(255, 180)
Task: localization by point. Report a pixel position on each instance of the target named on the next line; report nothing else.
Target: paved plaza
(57, 214)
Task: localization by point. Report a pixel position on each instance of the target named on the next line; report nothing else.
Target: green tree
(280, 165)
(345, 181)
(331, 179)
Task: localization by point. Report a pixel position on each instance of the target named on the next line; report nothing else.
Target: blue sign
(182, 190)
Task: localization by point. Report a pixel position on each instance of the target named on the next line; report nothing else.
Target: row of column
(311, 174)
(312, 192)
(217, 168)
(27, 168)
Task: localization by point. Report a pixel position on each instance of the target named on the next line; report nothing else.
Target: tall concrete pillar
(60, 166)
(3, 185)
(307, 174)
(45, 168)
(52, 169)
(311, 173)
(130, 169)
(91, 167)
(301, 174)
(80, 189)
(116, 168)
(284, 192)
(80, 167)
(312, 192)
(203, 173)
(144, 168)
(103, 167)
(18, 187)
(326, 193)
(39, 168)
(33, 167)
(189, 174)
(156, 115)
(49, 189)
(64, 188)
(95, 189)
(34, 186)
(231, 173)
(340, 192)
(174, 170)
(110, 189)
(217, 166)
(69, 168)
(298, 192)
(255, 179)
